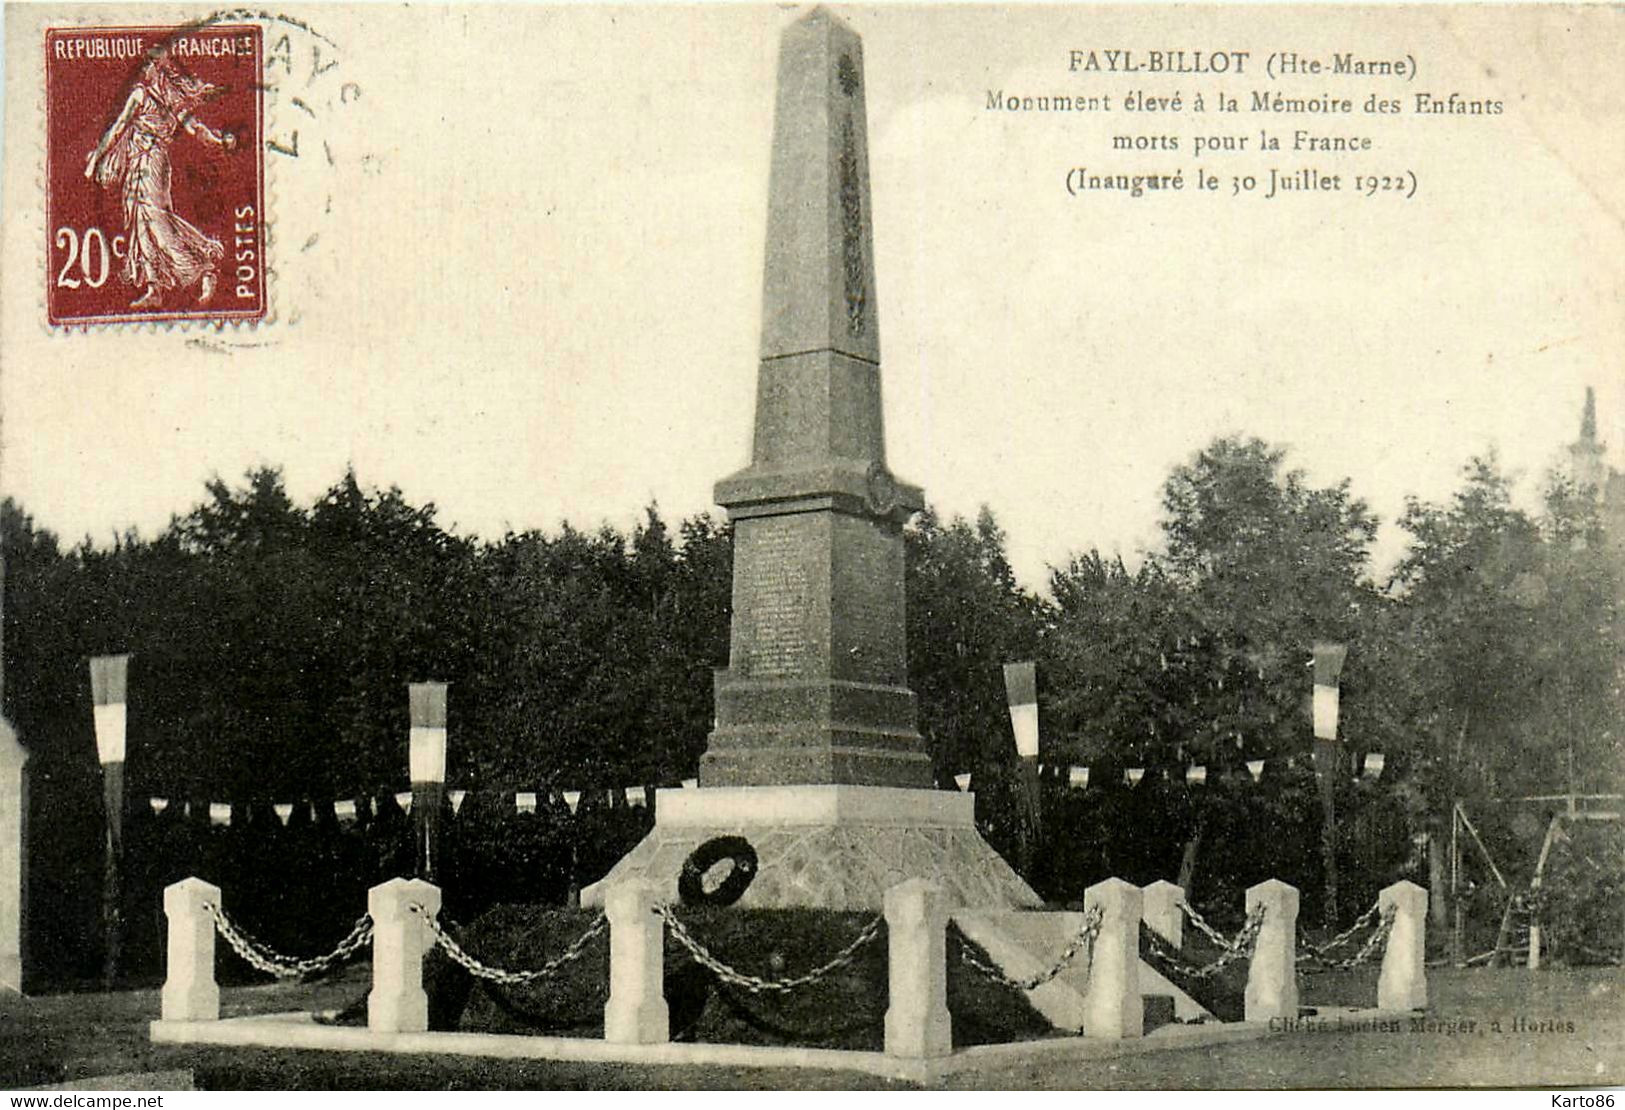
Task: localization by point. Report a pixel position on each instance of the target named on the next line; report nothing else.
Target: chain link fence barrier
(502, 976)
(1308, 951)
(263, 958)
(1084, 939)
(755, 984)
(1229, 950)
(1374, 944)
(1315, 958)
(1224, 943)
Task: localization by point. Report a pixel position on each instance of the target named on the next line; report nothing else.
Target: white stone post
(400, 940)
(1162, 912)
(636, 1010)
(917, 1022)
(1402, 984)
(190, 992)
(1272, 977)
(1112, 1006)
(13, 857)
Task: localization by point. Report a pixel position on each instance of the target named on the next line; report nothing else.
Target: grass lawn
(62, 1037)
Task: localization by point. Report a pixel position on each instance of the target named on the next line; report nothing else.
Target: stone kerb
(917, 1022)
(1402, 984)
(1112, 1005)
(636, 1011)
(401, 911)
(190, 992)
(1272, 976)
(1162, 900)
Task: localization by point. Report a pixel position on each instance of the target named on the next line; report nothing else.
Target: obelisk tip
(818, 286)
(820, 14)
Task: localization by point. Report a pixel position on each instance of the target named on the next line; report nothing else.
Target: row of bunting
(526, 801)
(348, 810)
(1371, 765)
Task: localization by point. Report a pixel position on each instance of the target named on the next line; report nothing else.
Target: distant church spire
(1586, 452)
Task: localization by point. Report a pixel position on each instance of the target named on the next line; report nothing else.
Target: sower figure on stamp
(163, 251)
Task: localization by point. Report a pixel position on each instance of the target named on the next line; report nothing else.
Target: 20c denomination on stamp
(155, 174)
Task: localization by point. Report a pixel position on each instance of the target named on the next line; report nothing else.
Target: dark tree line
(272, 644)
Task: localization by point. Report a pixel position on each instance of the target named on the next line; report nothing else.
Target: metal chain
(502, 976)
(1165, 949)
(1246, 940)
(1377, 940)
(1086, 937)
(1212, 934)
(756, 985)
(1309, 951)
(263, 958)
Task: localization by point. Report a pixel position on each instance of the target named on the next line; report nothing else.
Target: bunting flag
(529, 801)
(1329, 659)
(107, 694)
(107, 676)
(426, 747)
(1021, 690)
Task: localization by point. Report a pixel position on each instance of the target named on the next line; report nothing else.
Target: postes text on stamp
(155, 176)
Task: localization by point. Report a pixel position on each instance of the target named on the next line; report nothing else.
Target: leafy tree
(967, 616)
(1468, 583)
(1199, 656)
(1512, 624)
(38, 660)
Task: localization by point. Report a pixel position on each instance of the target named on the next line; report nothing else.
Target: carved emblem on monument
(848, 73)
(852, 225)
(881, 493)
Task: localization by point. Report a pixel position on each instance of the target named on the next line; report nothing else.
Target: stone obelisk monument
(816, 758)
(816, 690)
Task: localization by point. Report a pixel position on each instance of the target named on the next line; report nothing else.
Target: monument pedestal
(831, 847)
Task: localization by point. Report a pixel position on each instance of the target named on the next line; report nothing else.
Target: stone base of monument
(301, 1031)
(828, 847)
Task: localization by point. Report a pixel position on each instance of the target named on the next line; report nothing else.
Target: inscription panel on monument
(868, 632)
(776, 592)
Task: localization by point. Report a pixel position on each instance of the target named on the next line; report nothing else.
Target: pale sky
(527, 287)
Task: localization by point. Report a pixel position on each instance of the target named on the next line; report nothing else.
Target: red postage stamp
(155, 174)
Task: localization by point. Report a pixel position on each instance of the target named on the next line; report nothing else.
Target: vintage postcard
(777, 547)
